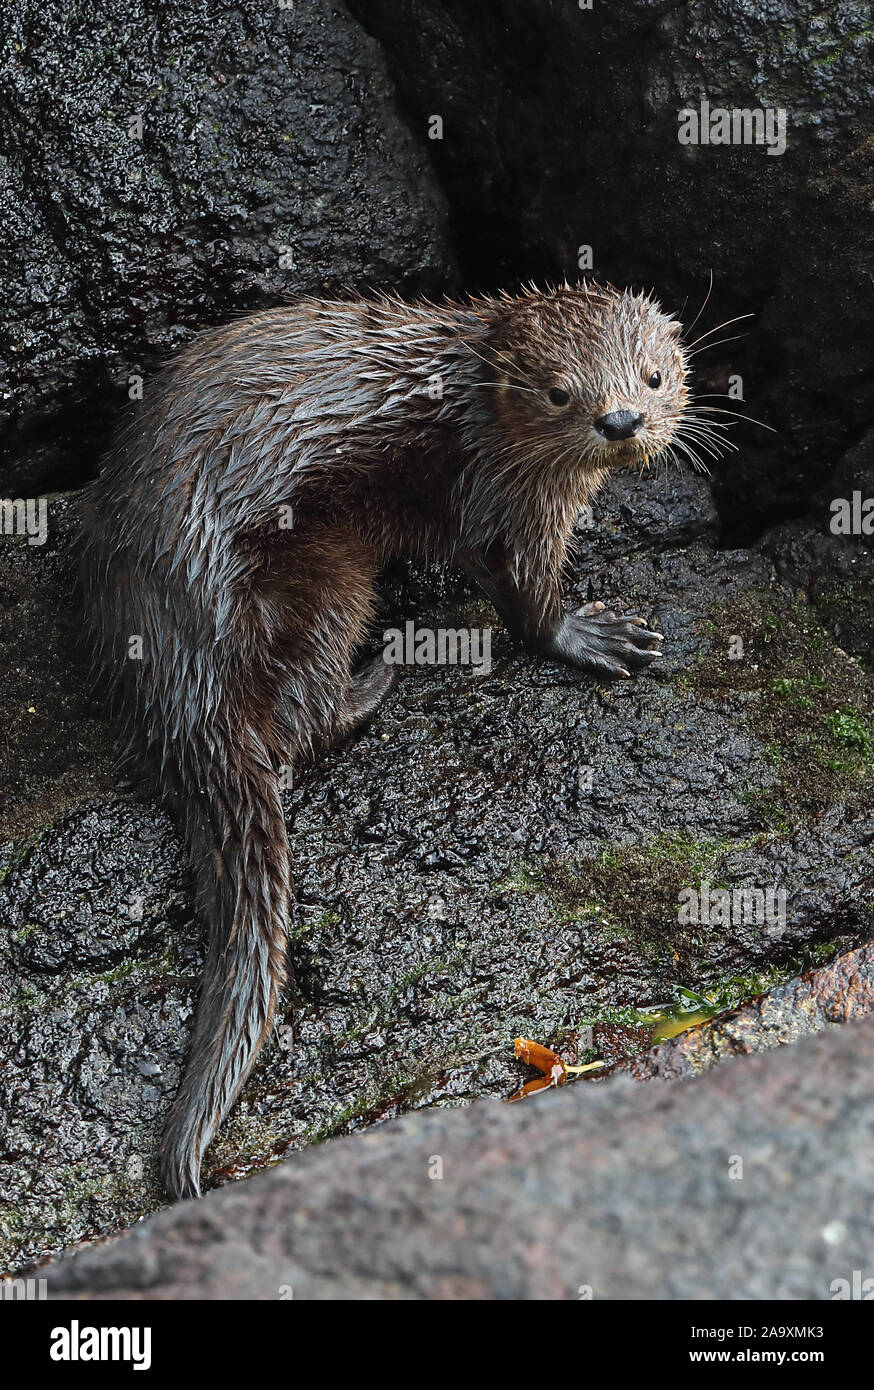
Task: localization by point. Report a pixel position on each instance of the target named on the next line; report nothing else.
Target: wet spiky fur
(233, 540)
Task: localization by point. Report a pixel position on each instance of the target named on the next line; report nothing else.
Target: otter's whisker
(700, 442)
(721, 342)
(715, 448)
(704, 305)
(691, 416)
(725, 324)
(709, 429)
(685, 448)
(738, 416)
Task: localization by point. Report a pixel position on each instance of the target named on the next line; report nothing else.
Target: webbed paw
(606, 642)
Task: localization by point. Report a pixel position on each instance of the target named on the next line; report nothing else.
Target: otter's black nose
(619, 424)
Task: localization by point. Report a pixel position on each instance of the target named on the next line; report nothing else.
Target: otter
(231, 547)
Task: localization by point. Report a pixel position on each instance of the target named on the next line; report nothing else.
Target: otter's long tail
(229, 802)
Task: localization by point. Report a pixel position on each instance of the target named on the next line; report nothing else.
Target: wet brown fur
(238, 530)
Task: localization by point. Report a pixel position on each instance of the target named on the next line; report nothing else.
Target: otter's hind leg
(368, 687)
(327, 580)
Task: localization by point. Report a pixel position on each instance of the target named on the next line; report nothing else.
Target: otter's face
(589, 376)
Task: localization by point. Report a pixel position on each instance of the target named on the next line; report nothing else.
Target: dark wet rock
(560, 131)
(498, 855)
(751, 1182)
(271, 161)
(835, 570)
(54, 748)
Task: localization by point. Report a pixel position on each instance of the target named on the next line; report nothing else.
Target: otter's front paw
(605, 642)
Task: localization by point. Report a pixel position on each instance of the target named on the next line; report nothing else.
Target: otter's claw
(606, 642)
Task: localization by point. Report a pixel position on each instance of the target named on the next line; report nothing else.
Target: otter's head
(587, 376)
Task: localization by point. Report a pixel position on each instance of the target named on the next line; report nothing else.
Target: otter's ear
(673, 328)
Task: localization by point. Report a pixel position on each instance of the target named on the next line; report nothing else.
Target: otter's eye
(558, 396)
(655, 381)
